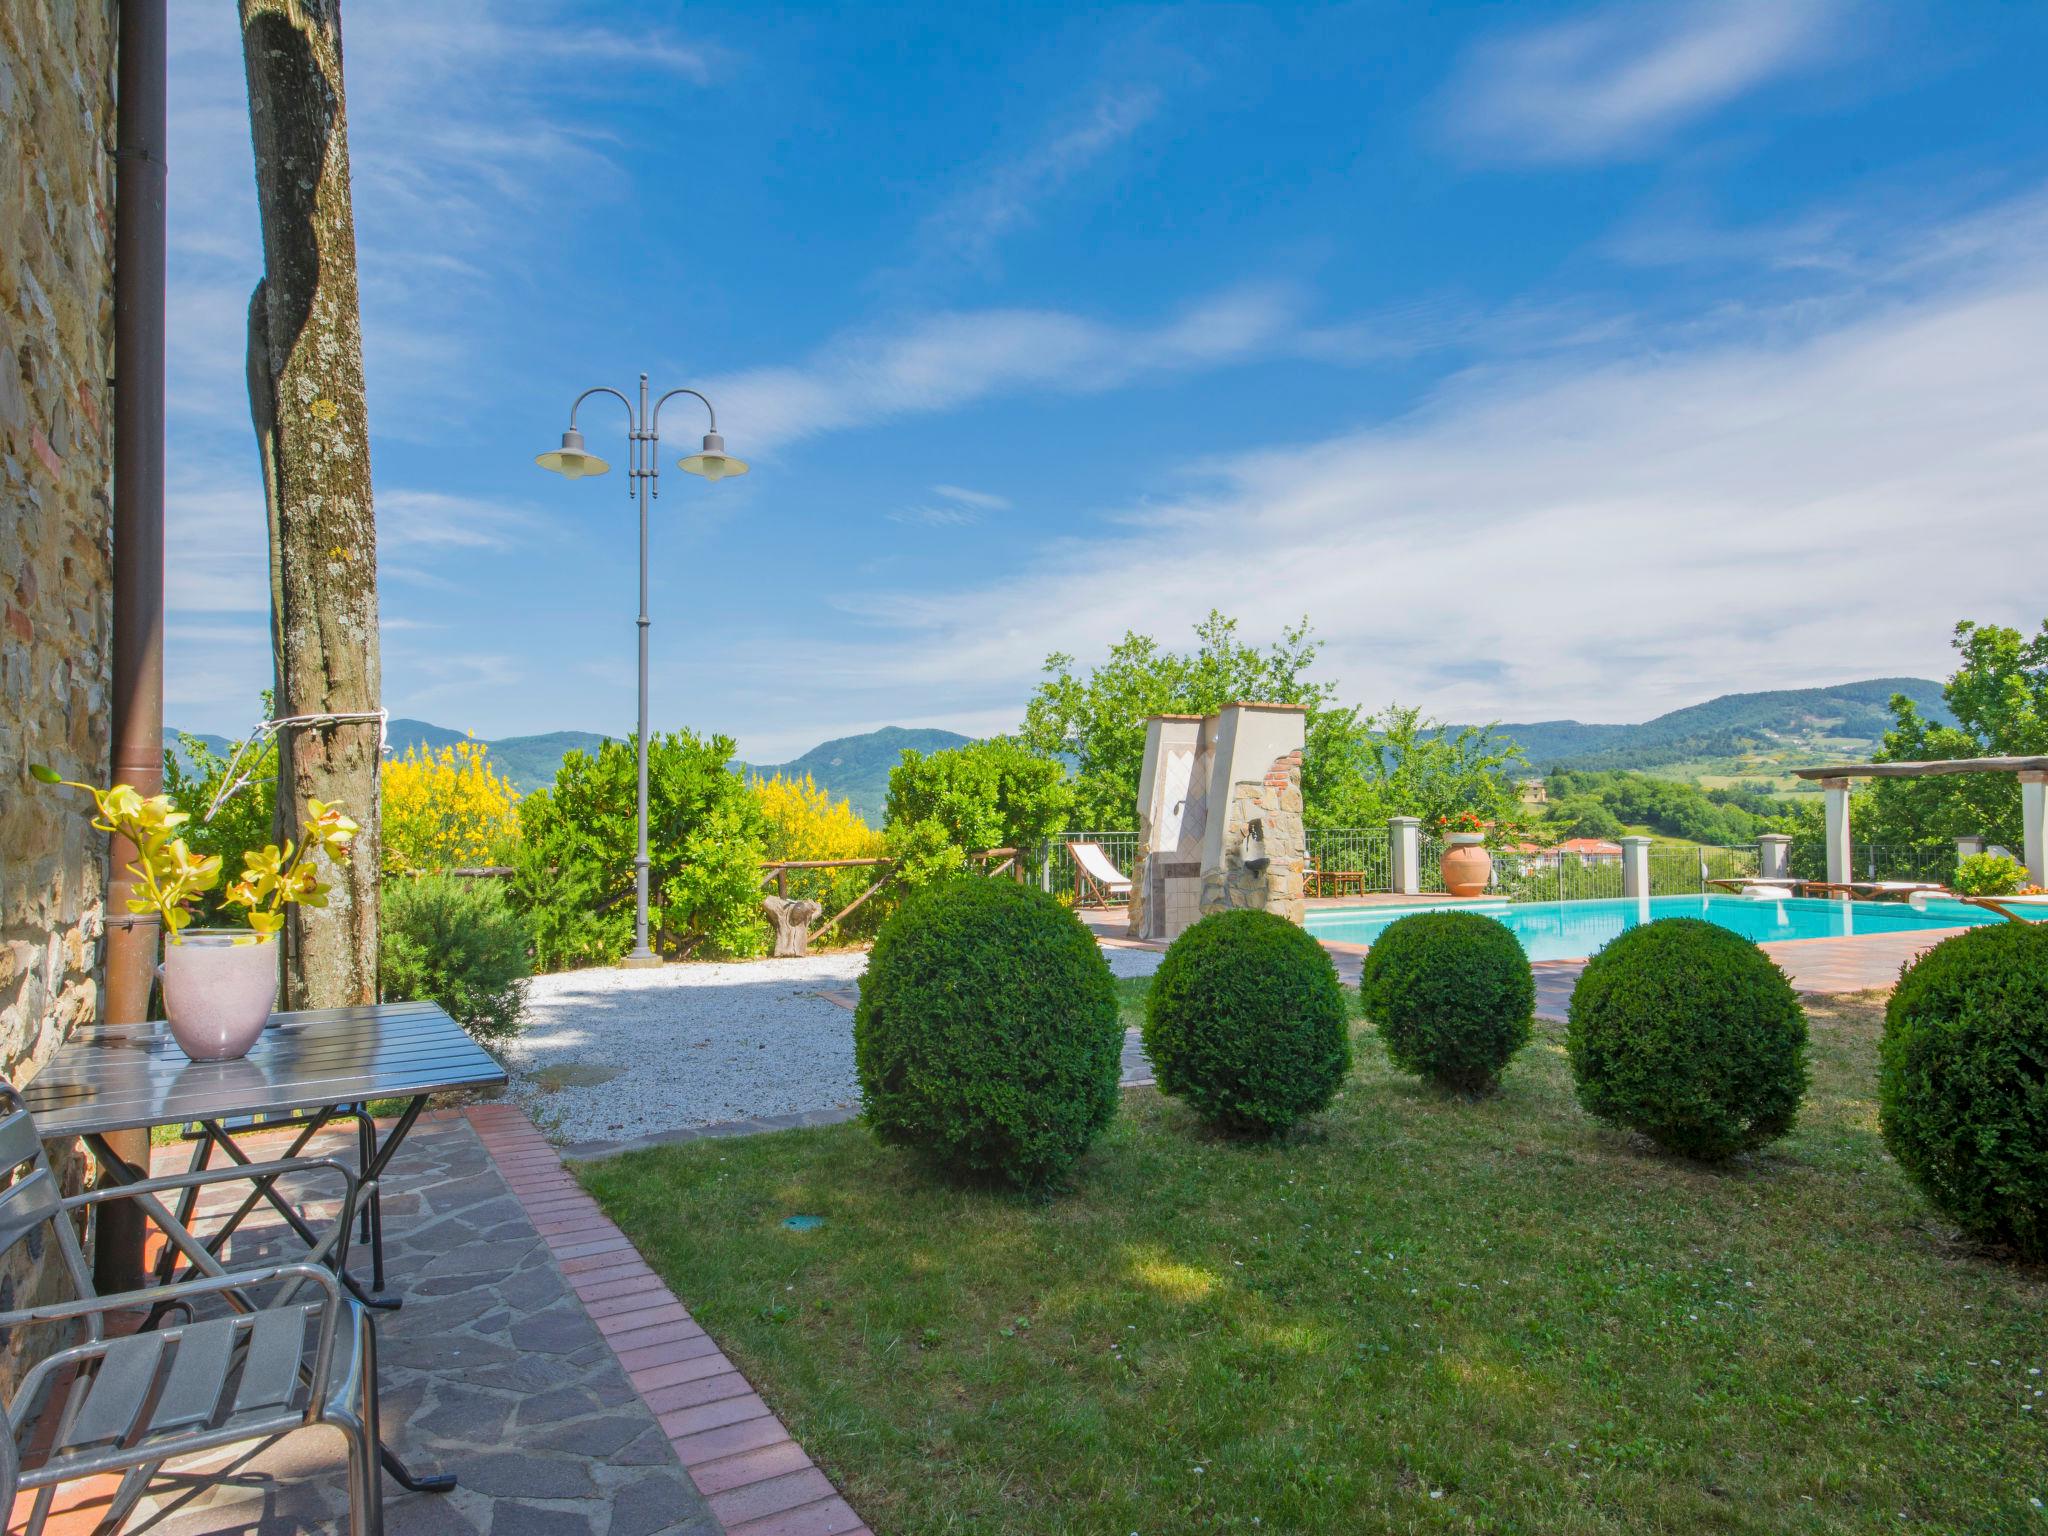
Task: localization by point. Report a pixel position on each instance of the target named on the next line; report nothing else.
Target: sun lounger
(2013, 909)
(1877, 890)
(1097, 882)
(1782, 885)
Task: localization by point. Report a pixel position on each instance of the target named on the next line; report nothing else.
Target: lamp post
(573, 461)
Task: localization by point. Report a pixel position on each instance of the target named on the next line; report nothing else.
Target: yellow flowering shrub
(805, 822)
(445, 810)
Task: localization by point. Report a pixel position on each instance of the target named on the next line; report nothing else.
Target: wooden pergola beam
(1925, 770)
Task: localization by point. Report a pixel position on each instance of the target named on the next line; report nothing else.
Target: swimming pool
(1571, 930)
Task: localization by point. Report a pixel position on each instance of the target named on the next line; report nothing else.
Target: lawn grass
(1421, 1315)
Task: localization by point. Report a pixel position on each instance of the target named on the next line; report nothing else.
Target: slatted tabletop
(121, 1077)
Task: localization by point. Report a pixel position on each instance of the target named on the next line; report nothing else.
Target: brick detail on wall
(57, 71)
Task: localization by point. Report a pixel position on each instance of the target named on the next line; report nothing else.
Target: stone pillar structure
(1969, 845)
(1404, 854)
(1205, 781)
(1635, 867)
(1774, 856)
(1173, 819)
(2034, 823)
(1841, 859)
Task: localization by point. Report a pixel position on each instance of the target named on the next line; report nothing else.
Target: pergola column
(2034, 822)
(1841, 863)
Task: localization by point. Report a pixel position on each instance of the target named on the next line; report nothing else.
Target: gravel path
(616, 1055)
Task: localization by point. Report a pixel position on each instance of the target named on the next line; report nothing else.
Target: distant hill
(1739, 736)
(1760, 735)
(856, 768)
(528, 761)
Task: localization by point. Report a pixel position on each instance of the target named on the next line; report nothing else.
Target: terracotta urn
(1467, 866)
(219, 988)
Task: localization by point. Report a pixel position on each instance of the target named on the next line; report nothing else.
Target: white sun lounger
(1095, 878)
(2014, 909)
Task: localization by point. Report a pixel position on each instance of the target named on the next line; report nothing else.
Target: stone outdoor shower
(1216, 795)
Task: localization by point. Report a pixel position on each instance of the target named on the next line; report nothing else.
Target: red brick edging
(757, 1479)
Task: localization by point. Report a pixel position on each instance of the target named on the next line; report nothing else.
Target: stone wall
(1275, 802)
(56, 455)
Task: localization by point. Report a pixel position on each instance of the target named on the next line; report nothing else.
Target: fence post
(1968, 845)
(1774, 856)
(1404, 854)
(1635, 866)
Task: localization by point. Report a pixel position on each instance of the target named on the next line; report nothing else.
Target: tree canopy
(1357, 769)
(1999, 696)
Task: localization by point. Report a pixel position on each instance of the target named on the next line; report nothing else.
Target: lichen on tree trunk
(312, 431)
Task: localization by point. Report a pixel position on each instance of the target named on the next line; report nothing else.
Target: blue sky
(1554, 359)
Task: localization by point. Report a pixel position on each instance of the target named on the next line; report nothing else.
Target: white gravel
(615, 1055)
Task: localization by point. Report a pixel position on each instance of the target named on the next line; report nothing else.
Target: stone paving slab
(756, 1479)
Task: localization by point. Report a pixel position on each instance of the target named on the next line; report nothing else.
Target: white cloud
(411, 519)
(985, 501)
(1612, 84)
(956, 507)
(1815, 496)
(1005, 196)
(946, 361)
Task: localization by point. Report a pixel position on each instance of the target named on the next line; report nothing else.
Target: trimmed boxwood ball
(1686, 1032)
(1963, 1094)
(1452, 994)
(987, 1032)
(1245, 1021)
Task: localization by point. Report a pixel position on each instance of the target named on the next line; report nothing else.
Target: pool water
(1571, 930)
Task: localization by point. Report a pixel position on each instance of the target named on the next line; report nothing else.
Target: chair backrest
(1096, 862)
(32, 1200)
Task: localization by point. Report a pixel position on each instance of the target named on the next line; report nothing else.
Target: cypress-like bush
(1245, 1021)
(1686, 1032)
(459, 943)
(1963, 1095)
(987, 1032)
(1453, 996)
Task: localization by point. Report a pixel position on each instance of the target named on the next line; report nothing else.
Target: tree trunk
(312, 432)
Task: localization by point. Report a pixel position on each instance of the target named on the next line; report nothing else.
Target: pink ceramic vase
(219, 988)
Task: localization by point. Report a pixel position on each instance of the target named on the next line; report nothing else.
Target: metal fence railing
(1058, 873)
(1350, 860)
(1934, 862)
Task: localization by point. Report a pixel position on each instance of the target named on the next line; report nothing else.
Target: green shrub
(1990, 874)
(457, 942)
(1245, 1020)
(987, 1032)
(1453, 996)
(1687, 1032)
(1963, 1094)
(705, 832)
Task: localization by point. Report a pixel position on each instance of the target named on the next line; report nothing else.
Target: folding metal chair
(126, 1404)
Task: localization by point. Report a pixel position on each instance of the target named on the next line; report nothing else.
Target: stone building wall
(1275, 802)
(57, 72)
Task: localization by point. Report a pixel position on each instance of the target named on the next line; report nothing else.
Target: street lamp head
(714, 463)
(572, 460)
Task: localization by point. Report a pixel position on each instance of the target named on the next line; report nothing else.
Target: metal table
(306, 1071)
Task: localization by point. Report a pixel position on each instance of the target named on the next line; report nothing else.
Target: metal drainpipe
(138, 696)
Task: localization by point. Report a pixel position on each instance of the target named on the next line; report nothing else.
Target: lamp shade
(714, 463)
(571, 460)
